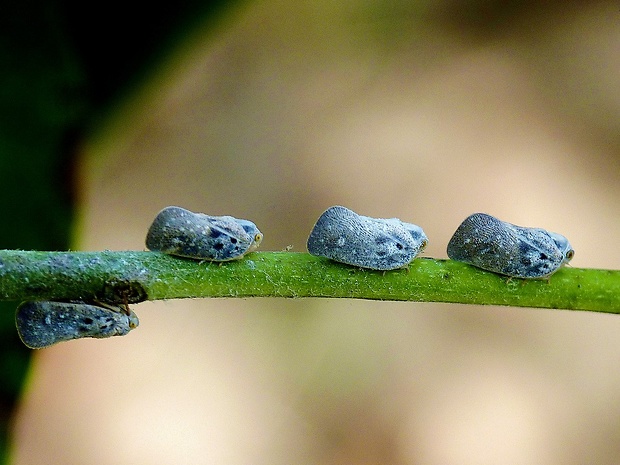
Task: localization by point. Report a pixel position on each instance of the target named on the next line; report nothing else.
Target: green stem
(134, 276)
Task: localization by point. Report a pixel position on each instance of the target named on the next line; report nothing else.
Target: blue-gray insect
(43, 323)
(375, 243)
(180, 232)
(494, 245)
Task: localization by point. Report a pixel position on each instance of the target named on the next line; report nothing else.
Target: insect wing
(168, 229)
(41, 324)
(494, 245)
(180, 232)
(484, 241)
(346, 237)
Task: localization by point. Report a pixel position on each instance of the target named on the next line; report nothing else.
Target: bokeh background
(274, 111)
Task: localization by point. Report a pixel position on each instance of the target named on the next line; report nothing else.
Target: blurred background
(274, 111)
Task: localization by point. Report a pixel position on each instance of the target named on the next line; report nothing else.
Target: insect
(44, 323)
(494, 245)
(183, 233)
(375, 243)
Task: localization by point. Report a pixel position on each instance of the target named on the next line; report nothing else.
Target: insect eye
(258, 237)
(570, 254)
(424, 244)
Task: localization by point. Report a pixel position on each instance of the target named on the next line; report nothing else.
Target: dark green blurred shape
(62, 65)
(40, 107)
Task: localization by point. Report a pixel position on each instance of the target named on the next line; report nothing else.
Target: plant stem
(134, 276)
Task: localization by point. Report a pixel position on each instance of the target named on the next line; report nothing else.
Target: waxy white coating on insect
(494, 245)
(44, 323)
(375, 243)
(180, 232)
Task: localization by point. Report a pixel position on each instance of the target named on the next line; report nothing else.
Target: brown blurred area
(418, 110)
